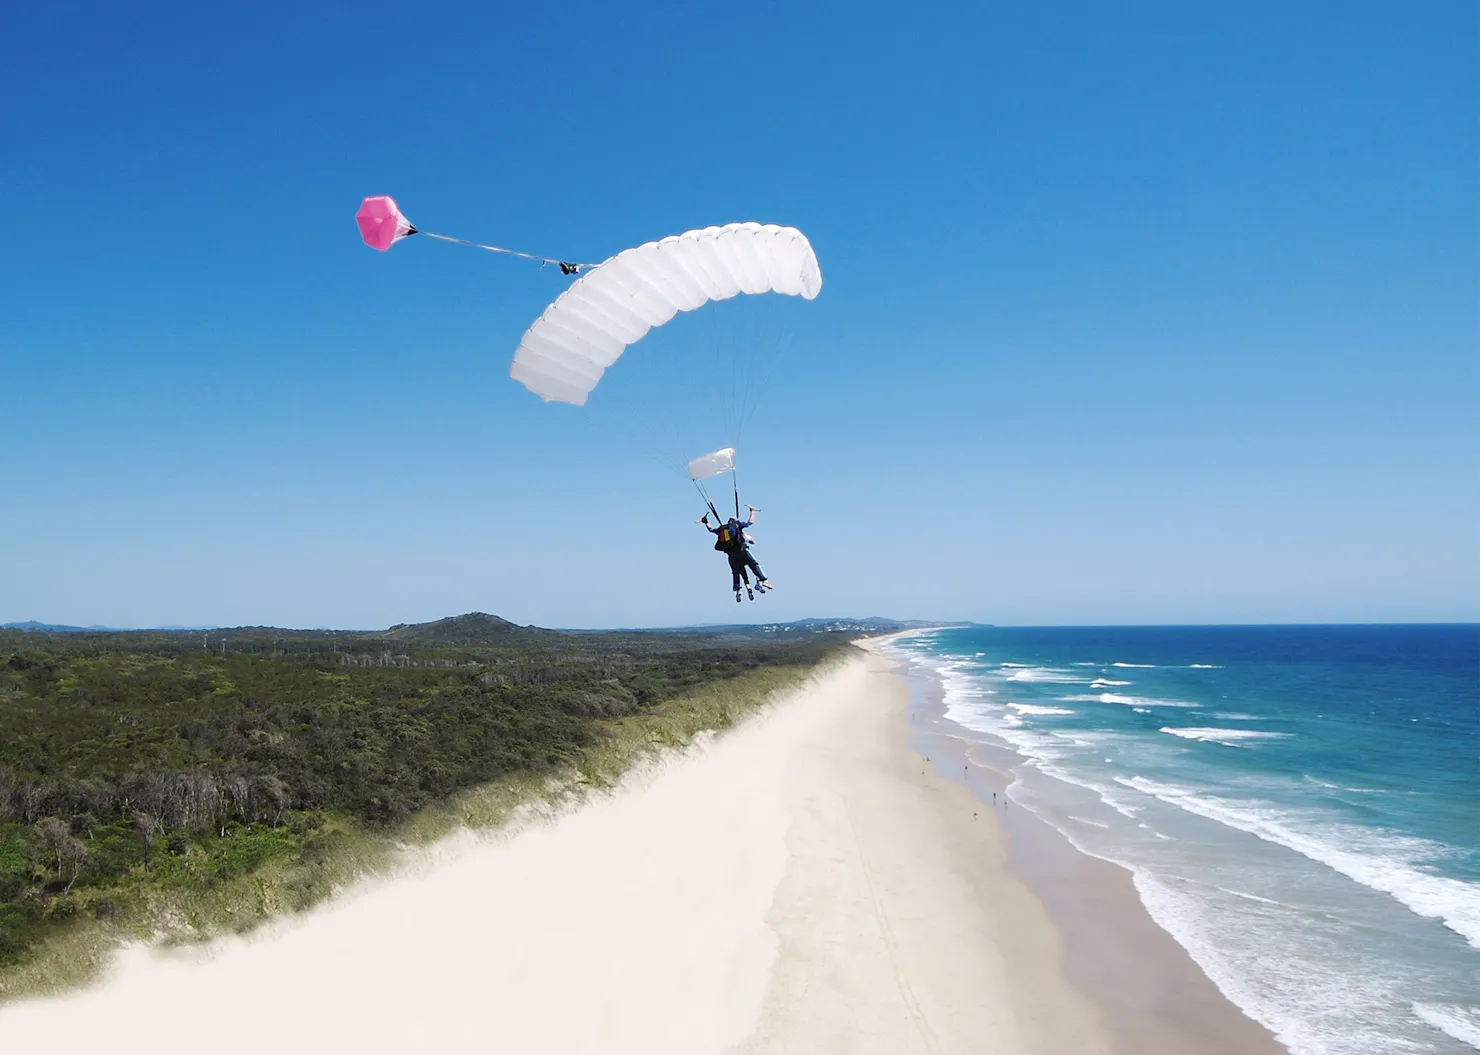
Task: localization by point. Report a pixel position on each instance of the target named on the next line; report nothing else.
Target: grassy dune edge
(294, 870)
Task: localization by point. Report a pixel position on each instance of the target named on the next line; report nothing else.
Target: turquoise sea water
(1300, 806)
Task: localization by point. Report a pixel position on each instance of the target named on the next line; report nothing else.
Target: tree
(54, 834)
(74, 854)
(147, 825)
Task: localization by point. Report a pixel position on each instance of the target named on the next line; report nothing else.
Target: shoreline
(1154, 998)
(900, 928)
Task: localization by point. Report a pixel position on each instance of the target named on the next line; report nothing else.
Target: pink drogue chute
(381, 222)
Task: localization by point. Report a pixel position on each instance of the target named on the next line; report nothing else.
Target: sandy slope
(797, 885)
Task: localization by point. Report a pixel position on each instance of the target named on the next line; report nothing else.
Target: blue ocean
(1299, 806)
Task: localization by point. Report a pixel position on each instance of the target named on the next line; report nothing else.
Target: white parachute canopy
(712, 464)
(590, 325)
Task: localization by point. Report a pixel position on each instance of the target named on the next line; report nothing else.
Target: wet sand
(1152, 997)
(900, 929)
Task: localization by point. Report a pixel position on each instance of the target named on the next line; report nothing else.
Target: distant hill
(474, 628)
(31, 626)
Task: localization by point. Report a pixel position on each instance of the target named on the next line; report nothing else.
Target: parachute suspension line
(566, 267)
(669, 464)
(709, 502)
(760, 382)
(735, 480)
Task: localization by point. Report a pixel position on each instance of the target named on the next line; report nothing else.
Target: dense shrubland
(139, 759)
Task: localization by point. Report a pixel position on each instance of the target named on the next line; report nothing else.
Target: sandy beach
(1152, 997)
(804, 883)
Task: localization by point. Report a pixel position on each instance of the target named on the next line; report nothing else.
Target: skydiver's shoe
(737, 596)
(749, 593)
(764, 584)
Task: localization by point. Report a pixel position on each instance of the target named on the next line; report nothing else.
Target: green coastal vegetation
(171, 785)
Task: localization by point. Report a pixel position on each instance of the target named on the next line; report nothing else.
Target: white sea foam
(1387, 863)
(1228, 737)
(1031, 708)
(1040, 747)
(1355, 791)
(1454, 1020)
(1086, 738)
(1315, 1008)
(1308, 1011)
(1127, 701)
(1045, 674)
(1103, 682)
(1142, 666)
(1086, 820)
(1250, 897)
(1320, 783)
(1201, 666)
(1012, 664)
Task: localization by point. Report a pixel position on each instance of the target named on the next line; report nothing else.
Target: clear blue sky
(1159, 312)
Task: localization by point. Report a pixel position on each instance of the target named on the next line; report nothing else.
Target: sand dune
(795, 885)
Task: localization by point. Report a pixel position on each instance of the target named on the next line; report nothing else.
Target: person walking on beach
(732, 542)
